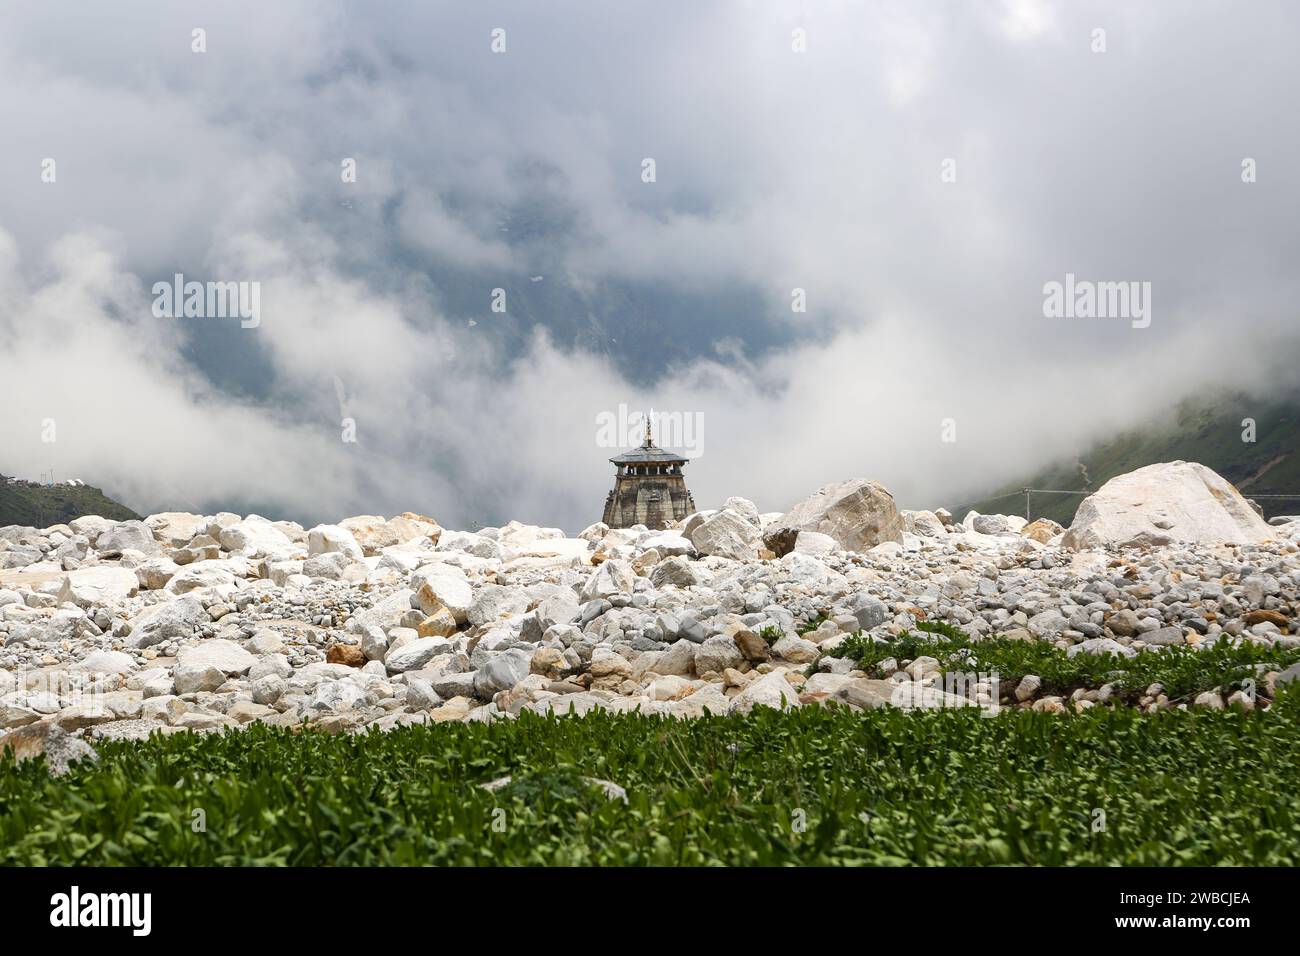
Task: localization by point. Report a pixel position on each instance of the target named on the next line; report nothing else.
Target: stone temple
(648, 488)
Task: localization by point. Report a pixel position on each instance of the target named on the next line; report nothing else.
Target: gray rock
(502, 672)
(1164, 636)
(175, 620)
(717, 654)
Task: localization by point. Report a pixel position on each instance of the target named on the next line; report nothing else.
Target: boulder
(226, 656)
(255, 537)
(1042, 530)
(678, 572)
(926, 524)
(176, 528)
(609, 578)
(814, 543)
(990, 524)
(127, 536)
(1177, 501)
(331, 538)
(107, 662)
(174, 620)
(87, 587)
(859, 514)
(727, 534)
(443, 587)
(502, 672)
(374, 533)
(770, 690)
(717, 654)
(415, 654)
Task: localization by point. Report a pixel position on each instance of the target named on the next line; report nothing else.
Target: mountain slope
(1207, 430)
(40, 506)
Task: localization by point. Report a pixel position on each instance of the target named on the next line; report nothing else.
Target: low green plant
(1182, 670)
(809, 626)
(880, 787)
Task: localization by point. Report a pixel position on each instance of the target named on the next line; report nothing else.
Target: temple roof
(647, 453)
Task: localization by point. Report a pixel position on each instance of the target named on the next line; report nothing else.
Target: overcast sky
(776, 169)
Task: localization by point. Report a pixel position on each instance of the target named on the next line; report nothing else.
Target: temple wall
(652, 500)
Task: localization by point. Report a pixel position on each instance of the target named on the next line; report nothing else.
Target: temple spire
(649, 439)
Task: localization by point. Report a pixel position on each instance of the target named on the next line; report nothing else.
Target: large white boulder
(226, 656)
(859, 514)
(1175, 501)
(127, 536)
(727, 534)
(374, 533)
(256, 537)
(176, 528)
(439, 586)
(86, 587)
(330, 538)
(178, 619)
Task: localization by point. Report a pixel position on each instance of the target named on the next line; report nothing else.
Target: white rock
(1176, 501)
(415, 654)
(727, 534)
(176, 528)
(194, 677)
(107, 662)
(127, 535)
(227, 656)
(717, 654)
(174, 620)
(329, 538)
(502, 672)
(87, 587)
(154, 573)
(770, 690)
(815, 543)
(438, 586)
(859, 514)
(609, 578)
(266, 690)
(337, 696)
(159, 683)
(257, 537)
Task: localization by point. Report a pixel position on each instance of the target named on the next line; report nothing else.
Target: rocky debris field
(183, 622)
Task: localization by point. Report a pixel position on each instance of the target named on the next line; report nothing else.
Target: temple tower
(649, 488)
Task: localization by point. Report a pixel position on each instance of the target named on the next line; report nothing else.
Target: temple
(648, 488)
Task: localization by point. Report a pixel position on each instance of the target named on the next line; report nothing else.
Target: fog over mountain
(775, 170)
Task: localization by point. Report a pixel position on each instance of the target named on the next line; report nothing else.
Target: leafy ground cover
(814, 786)
(1183, 671)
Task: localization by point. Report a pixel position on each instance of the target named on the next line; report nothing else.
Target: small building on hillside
(649, 487)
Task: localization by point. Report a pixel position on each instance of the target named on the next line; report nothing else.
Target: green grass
(1182, 670)
(880, 787)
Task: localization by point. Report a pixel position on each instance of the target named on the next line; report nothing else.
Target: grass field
(809, 787)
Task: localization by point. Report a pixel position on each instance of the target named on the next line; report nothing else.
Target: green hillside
(43, 505)
(1207, 430)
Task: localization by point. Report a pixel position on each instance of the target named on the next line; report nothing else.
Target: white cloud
(777, 170)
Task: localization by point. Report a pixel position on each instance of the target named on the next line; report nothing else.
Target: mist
(916, 175)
